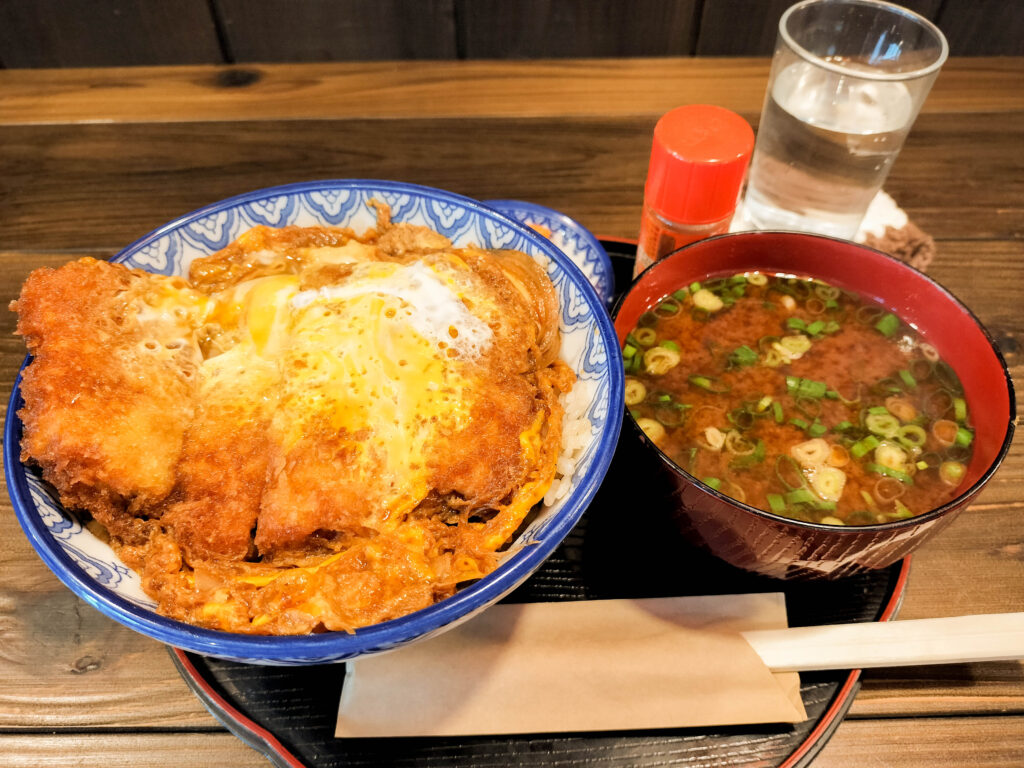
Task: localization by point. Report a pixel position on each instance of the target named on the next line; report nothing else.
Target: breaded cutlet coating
(110, 390)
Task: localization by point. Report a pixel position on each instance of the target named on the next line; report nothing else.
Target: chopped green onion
(868, 314)
(806, 387)
(628, 351)
(963, 437)
(669, 344)
(712, 482)
(742, 356)
(884, 424)
(755, 457)
(777, 411)
(842, 426)
(785, 459)
(800, 496)
(808, 406)
(741, 417)
(889, 385)
(694, 286)
(902, 511)
(881, 469)
(645, 337)
(809, 388)
(912, 436)
(706, 300)
(945, 373)
(795, 323)
(952, 472)
(671, 414)
(959, 408)
(908, 378)
(817, 429)
(708, 383)
(816, 327)
(826, 291)
(851, 401)
(635, 390)
(776, 503)
(664, 398)
(681, 294)
(660, 360)
(861, 447)
(878, 409)
(887, 325)
(667, 308)
(798, 423)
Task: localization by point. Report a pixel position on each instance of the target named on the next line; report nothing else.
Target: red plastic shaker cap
(698, 160)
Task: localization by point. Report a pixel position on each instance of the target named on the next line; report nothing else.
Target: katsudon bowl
(70, 546)
(777, 545)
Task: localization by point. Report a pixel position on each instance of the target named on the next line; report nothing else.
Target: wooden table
(90, 160)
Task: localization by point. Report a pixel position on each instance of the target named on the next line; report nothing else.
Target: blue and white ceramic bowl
(92, 570)
(571, 237)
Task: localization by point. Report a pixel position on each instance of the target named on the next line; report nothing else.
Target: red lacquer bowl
(777, 546)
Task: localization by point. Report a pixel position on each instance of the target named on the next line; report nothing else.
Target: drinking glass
(847, 80)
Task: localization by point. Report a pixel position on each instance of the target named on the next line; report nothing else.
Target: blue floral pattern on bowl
(571, 237)
(87, 565)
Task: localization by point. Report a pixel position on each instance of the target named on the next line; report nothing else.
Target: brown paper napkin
(885, 227)
(578, 666)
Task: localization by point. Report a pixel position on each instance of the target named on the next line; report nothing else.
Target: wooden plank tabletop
(90, 160)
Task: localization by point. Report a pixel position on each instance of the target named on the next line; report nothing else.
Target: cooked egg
(386, 356)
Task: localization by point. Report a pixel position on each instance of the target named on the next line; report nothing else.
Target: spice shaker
(699, 157)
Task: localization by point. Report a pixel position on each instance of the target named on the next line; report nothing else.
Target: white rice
(577, 433)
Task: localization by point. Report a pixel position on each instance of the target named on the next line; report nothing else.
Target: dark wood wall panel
(739, 27)
(337, 30)
(524, 29)
(84, 33)
(748, 27)
(989, 27)
(100, 33)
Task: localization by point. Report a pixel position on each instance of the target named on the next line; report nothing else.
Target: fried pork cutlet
(111, 388)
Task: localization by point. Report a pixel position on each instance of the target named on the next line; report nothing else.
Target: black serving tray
(615, 551)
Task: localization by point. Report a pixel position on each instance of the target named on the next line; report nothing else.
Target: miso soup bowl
(777, 546)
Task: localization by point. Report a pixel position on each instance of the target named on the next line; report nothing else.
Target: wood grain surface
(90, 160)
(981, 742)
(575, 88)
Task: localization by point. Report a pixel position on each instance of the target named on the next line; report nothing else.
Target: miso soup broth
(799, 398)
